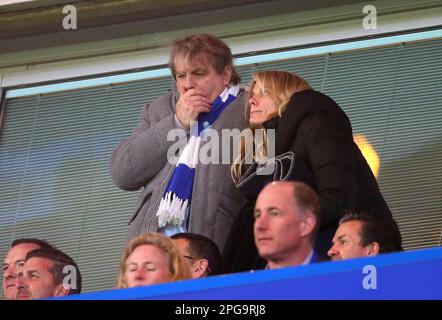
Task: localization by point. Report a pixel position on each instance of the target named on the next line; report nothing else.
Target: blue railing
(405, 275)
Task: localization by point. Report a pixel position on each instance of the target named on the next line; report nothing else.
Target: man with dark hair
(40, 243)
(14, 261)
(201, 254)
(362, 235)
(182, 192)
(286, 223)
(48, 272)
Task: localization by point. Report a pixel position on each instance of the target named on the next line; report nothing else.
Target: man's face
(147, 265)
(347, 242)
(12, 265)
(200, 76)
(36, 282)
(277, 229)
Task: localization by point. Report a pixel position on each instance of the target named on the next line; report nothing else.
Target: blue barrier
(404, 275)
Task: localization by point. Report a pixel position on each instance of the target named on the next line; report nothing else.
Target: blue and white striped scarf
(175, 204)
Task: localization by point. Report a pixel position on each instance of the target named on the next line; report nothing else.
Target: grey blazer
(141, 161)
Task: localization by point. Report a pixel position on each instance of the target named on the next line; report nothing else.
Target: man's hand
(190, 105)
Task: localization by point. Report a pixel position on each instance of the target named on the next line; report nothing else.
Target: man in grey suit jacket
(202, 66)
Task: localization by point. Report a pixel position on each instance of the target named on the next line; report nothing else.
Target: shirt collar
(307, 260)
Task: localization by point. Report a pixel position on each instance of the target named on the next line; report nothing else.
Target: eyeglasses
(189, 257)
(209, 271)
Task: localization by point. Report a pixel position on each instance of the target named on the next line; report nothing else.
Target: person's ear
(199, 268)
(308, 224)
(227, 75)
(61, 290)
(373, 249)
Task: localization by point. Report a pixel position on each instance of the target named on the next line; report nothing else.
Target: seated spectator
(14, 261)
(48, 272)
(151, 258)
(364, 235)
(286, 222)
(201, 254)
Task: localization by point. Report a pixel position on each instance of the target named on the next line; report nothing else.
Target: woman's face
(261, 106)
(147, 265)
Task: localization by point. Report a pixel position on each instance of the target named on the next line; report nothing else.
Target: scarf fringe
(171, 210)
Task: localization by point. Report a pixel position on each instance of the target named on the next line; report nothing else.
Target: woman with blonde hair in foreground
(151, 258)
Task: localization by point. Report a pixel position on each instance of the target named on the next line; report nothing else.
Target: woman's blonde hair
(280, 86)
(177, 266)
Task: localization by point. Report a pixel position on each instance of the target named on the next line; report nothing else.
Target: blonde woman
(313, 144)
(151, 258)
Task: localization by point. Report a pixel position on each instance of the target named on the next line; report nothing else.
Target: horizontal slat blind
(412, 175)
(54, 160)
